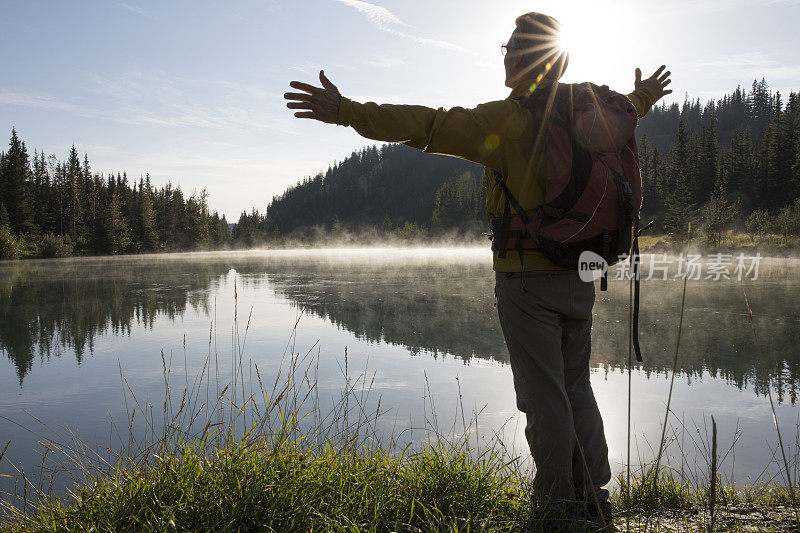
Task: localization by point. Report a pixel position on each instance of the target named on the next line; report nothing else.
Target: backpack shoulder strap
(500, 182)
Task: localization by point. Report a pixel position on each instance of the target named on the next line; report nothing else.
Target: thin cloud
(385, 20)
(385, 62)
(136, 9)
(311, 68)
(156, 98)
(437, 43)
(379, 16)
(754, 64)
(34, 100)
(722, 5)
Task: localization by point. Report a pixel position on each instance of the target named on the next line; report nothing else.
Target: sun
(566, 39)
(597, 50)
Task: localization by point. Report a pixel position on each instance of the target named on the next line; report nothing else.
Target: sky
(191, 92)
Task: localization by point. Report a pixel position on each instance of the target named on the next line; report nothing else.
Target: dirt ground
(728, 518)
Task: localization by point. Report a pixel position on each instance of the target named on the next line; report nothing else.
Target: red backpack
(593, 188)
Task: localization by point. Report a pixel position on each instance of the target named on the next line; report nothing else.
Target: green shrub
(758, 224)
(55, 246)
(788, 221)
(9, 245)
(410, 230)
(717, 215)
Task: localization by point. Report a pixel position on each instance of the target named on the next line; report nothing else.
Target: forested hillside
(730, 163)
(383, 186)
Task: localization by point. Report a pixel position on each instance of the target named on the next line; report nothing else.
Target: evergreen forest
(729, 165)
(54, 208)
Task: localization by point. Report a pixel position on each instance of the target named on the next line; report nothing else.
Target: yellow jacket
(498, 135)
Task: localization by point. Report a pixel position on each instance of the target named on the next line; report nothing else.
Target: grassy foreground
(247, 486)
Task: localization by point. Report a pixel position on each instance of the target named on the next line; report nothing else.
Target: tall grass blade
(712, 490)
(674, 370)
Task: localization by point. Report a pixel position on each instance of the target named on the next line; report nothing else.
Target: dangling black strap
(635, 264)
(506, 222)
(606, 253)
(518, 247)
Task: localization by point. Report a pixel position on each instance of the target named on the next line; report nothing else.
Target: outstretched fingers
(301, 97)
(301, 105)
(305, 87)
(310, 109)
(664, 80)
(659, 71)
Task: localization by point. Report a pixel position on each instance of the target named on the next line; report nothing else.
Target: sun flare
(565, 39)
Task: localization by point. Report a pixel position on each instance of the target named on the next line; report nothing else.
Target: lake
(418, 323)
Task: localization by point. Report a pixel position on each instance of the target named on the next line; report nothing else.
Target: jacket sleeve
(643, 99)
(473, 134)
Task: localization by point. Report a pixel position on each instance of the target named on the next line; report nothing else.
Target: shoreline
(731, 243)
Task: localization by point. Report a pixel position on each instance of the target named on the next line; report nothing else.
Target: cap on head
(537, 36)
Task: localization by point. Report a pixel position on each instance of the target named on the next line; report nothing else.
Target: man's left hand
(656, 83)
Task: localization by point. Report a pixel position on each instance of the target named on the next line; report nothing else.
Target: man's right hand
(320, 103)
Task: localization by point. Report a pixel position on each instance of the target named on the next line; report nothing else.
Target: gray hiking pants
(548, 334)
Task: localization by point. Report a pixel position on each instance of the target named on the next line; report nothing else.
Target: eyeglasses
(504, 48)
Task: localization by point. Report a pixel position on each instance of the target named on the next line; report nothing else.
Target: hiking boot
(602, 515)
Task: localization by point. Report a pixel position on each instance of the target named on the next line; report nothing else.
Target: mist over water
(421, 319)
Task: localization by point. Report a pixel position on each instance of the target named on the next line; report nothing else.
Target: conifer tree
(796, 168)
(74, 197)
(117, 231)
(147, 220)
(707, 162)
(650, 186)
(739, 168)
(43, 215)
(15, 176)
(719, 212)
(776, 172)
(5, 220)
(788, 151)
(195, 220)
(679, 200)
(761, 107)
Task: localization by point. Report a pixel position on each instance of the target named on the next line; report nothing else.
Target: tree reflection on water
(439, 307)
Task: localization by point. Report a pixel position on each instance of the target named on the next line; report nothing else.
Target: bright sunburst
(565, 38)
(598, 48)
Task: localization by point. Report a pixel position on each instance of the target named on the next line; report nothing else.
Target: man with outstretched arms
(547, 321)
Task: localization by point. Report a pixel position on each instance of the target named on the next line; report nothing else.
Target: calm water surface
(419, 320)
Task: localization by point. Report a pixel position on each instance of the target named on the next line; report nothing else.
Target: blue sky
(191, 91)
